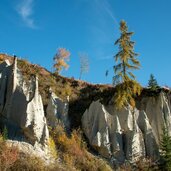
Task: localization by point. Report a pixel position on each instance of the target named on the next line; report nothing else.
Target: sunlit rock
(128, 134)
(21, 107)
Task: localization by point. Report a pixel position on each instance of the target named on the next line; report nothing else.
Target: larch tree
(60, 59)
(126, 61)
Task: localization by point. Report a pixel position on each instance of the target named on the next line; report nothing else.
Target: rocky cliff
(21, 107)
(118, 135)
(128, 134)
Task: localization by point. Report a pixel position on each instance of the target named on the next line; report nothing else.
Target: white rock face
(158, 112)
(21, 106)
(57, 111)
(116, 135)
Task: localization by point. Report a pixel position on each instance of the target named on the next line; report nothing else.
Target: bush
(73, 151)
(13, 160)
(143, 164)
(5, 133)
(52, 147)
(29, 164)
(32, 163)
(8, 155)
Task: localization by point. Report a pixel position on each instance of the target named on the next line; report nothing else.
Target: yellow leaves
(60, 59)
(1, 58)
(126, 57)
(60, 63)
(73, 152)
(52, 147)
(132, 102)
(62, 53)
(126, 92)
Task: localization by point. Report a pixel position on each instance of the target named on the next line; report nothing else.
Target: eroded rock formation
(21, 107)
(57, 111)
(128, 134)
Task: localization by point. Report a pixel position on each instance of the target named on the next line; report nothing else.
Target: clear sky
(34, 29)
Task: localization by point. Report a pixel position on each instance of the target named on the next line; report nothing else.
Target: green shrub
(152, 83)
(165, 151)
(5, 133)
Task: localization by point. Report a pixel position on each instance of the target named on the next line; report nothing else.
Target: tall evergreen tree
(152, 83)
(126, 57)
(127, 61)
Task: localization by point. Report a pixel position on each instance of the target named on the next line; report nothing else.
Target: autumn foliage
(126, 61)
(8, 155)
(60, 59)
(73, 151)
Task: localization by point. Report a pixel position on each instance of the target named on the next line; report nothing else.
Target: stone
(21, 107)
(57, 111)
(103, 131)
(158, 113)
(128, 134)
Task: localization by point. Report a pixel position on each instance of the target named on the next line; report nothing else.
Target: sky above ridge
(34, 29)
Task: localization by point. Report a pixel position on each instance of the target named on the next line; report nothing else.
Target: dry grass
(8, 155)
(144, 164)
(52, 147)
(73, 151)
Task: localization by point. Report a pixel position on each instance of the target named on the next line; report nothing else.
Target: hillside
(116, 135)
(80, 93)
(24, 132)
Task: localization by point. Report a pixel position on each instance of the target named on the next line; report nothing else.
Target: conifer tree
(126, 55)
(165, 151)
(127, 61)
(152, 83)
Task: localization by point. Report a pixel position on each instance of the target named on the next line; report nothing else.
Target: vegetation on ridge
(60, 59)
(126, 87)
(152, 83)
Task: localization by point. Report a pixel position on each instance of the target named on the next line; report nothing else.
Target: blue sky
(34, 29)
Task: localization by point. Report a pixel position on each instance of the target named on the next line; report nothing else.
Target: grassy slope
(81, 93)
